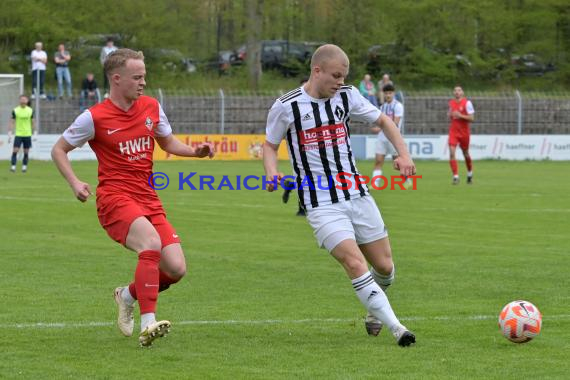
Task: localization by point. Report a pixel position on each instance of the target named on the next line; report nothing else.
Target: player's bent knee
(178, 273)
(385, 267)
(152, 243)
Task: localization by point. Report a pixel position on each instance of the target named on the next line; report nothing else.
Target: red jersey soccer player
(122, 131)
(461, 113)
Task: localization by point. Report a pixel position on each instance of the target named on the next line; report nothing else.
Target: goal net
(11, 87)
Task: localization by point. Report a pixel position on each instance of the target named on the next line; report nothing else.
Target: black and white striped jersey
(318, 139)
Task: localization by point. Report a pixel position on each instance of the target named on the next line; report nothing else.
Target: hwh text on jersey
(134, 146)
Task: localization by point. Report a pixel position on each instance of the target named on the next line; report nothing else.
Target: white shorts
(357, 219)
(385, 147)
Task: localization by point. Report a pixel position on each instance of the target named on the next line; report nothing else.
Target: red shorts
(116, 214)
(461, 139)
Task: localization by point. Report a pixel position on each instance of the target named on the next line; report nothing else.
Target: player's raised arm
(59, 152)
(174, 146)
(404, 162)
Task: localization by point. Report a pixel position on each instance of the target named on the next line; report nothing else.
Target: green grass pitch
(261, 301)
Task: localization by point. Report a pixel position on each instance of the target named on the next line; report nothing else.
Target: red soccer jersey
(460, 127)
(123, 143)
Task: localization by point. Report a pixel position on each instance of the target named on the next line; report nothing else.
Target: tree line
(423, 42)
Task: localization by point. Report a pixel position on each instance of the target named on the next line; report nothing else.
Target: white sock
(375, 301)
(376, 173)
(147, 319)
(470, 174)
(126, 296)
(456, 176)
(384, 281)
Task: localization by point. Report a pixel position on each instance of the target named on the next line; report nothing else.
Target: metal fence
(243, 112)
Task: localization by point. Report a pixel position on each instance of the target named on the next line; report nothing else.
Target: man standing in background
(39, 63)
(62, 58)
(105, 51)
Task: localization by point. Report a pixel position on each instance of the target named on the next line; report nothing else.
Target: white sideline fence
(245, 112)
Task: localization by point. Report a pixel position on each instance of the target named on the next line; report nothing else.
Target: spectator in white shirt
(39, 63)
(105, 51)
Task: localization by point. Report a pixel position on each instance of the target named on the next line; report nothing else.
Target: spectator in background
(105, 51)
(39, 64)
(89, 91)
(62, 58)
(381, 83)
(368, 90)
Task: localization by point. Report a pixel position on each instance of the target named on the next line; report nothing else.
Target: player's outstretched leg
(377, 304)
(144, 239)
(368, 291)
(126, 307)
(373, 325)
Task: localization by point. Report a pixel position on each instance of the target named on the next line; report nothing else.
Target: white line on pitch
(55, 325)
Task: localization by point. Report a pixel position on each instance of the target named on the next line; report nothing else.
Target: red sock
(163, 280)
(453, 164)
(146, 280)
(468, 163)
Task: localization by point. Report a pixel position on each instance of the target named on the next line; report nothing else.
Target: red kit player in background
(461, 113)
(122, 132)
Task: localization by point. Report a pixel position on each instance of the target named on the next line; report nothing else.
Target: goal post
(11, 87)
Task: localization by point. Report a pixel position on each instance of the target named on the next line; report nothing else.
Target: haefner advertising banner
(504, 147)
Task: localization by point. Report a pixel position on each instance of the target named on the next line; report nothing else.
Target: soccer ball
(520, 321)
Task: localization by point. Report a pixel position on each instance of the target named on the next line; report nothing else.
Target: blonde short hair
(118, 59)
(326, 53)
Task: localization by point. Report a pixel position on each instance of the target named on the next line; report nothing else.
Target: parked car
(386, 58)
(289, 57)
(171, 59)
(530, 65)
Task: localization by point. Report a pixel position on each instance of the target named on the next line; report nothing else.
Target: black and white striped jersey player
(315, 122)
